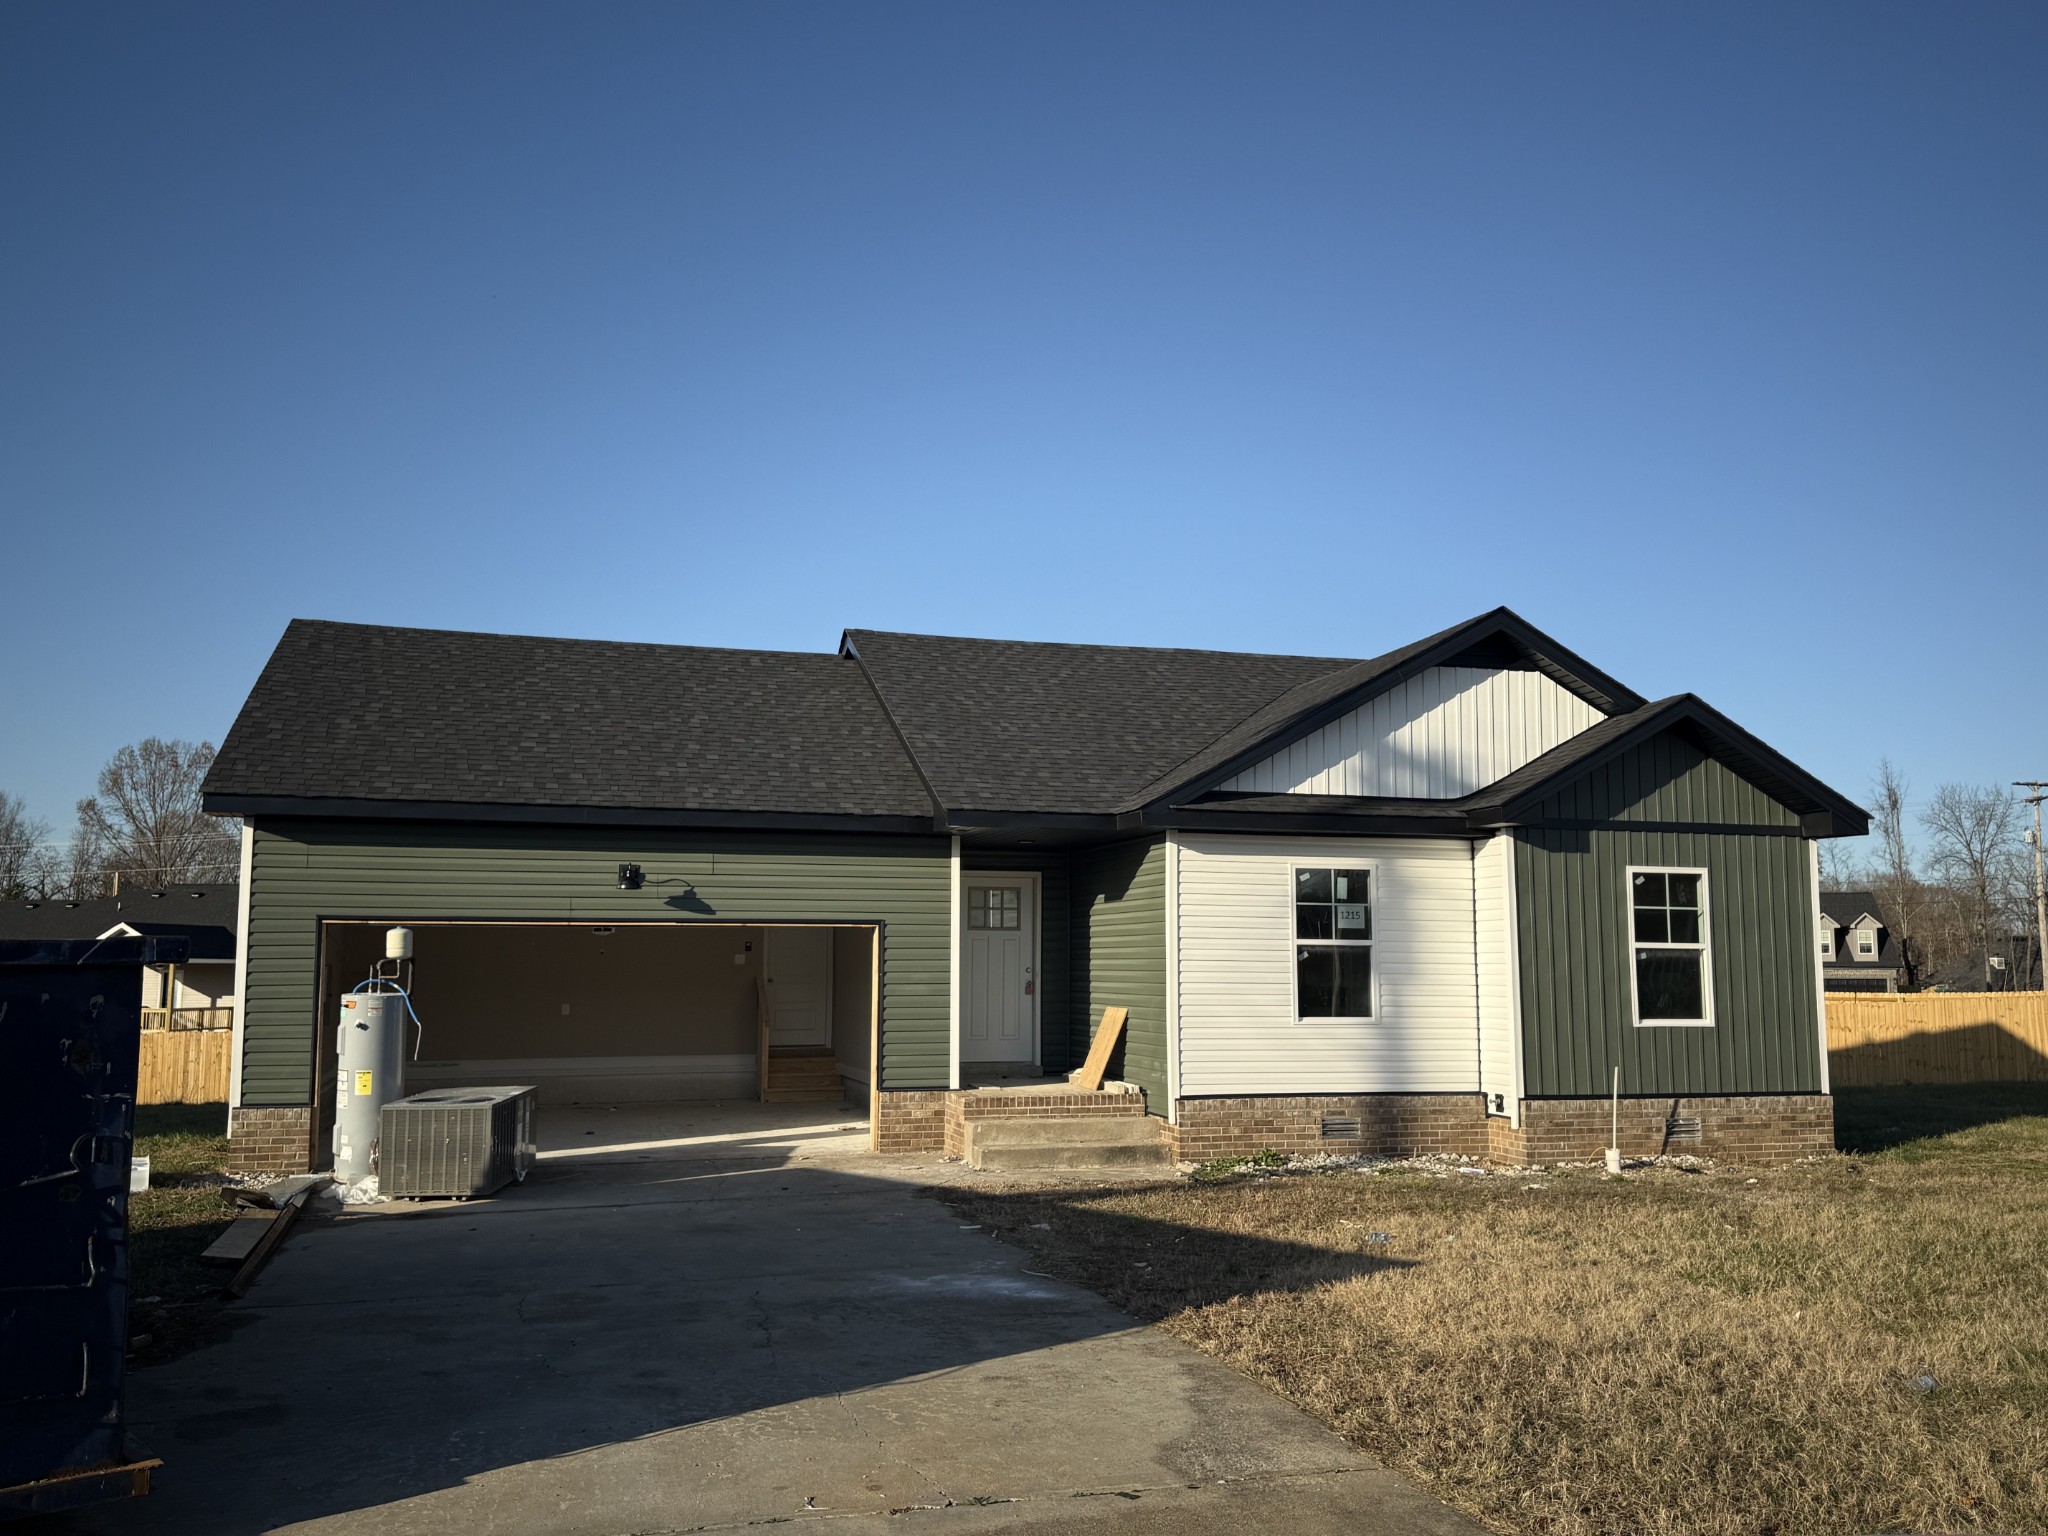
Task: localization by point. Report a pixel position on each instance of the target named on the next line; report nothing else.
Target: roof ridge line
(848, 650)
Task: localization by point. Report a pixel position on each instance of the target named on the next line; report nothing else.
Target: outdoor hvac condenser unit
(456, 1142)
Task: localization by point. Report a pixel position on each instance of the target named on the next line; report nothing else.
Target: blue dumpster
(70, 1030)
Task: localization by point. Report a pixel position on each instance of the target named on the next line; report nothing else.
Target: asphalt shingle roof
(1846, 906)
(361, 716)
(206, 914)
(1032, 726)
(367, 713)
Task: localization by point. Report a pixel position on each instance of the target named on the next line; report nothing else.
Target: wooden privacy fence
(188, 1018)
(184, 1066)
(1880, 1040)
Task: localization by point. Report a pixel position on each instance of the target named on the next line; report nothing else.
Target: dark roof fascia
(1063, 821)
(267, 807)
(1723, 828)
(1564, 667)
(1823, 812)
(1182, 818)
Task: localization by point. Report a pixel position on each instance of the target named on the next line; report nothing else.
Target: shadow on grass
(181, 1120)
(1882, 1119)
(1151, 1269)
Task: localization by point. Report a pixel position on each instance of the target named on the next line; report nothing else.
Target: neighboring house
(1856, 949)
(2011, 964)
(201, 992)
(1432, 899)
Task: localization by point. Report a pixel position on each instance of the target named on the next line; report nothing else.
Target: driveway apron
(649, 1344)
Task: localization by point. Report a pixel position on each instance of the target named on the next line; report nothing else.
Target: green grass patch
(182, 1139)
(1943, 1120)
(174, 1300)
(1225, 1167)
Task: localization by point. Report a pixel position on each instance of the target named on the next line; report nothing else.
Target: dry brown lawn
(1857, 1344)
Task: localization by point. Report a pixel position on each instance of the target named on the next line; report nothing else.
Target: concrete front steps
(808, 1076)
(1095, 1141)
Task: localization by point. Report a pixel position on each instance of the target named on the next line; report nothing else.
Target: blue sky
(1713, 338)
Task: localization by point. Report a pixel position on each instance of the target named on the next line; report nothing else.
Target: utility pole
(2040, 793)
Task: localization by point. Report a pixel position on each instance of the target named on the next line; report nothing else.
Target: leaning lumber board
(243, 1234)
(1089, 1078)
(272, 1236)
(267, 1243)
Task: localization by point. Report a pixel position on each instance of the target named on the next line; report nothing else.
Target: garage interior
(626, 1013)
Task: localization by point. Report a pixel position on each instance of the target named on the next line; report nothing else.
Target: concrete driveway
(656, 1336)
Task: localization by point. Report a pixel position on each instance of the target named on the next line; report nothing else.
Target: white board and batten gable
(1443, 733)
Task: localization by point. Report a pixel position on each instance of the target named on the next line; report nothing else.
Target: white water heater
(370, 1073)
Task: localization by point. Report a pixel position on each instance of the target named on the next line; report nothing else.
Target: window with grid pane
(994, 906)
(1333, 943)
(1668, 918)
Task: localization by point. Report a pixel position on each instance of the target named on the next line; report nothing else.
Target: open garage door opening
(599, 1014)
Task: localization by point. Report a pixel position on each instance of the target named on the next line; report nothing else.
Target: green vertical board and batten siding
(1576, 952)
(1666, 779)
(1119, 955)
(305, 871)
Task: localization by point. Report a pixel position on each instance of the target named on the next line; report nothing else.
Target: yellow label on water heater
(362, 1085)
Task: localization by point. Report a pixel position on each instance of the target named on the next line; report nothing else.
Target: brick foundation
(1766, 1128)
(909, 1120)
(271, 1140)
(1774, 1128)
(1390, 1125)
(936, 1119)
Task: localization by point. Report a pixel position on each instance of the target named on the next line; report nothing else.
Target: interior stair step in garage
(1097, 1141)
(802, 1076)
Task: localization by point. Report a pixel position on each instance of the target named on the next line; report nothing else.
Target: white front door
(998, 945)
(797, 963)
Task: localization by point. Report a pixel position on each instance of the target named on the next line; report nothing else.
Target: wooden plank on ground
(235, 1245)
(1089, 1078)
(274, 1230)
(273, 1234)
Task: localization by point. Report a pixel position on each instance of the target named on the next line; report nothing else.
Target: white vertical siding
(1500, 1043)
(1234, 946)
(1443, 733)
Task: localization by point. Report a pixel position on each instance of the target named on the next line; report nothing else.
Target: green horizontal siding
(1118, 930)
(1576, 952)
(1054, 1005)
(304, 871)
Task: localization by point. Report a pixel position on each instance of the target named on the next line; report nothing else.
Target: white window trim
(1705, 947)
(1864, 931)
(1372, 869)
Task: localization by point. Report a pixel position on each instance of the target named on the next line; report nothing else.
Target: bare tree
(1973, 832)
(1891, 877)
(2012, 909)
(145, 825)
(24, 850)
(1838, 870)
